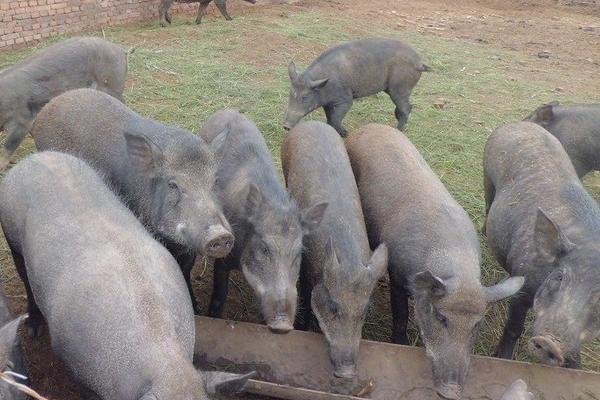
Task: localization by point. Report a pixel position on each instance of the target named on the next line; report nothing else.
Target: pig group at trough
(124, 205)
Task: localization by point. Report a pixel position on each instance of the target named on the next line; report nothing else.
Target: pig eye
(443, 320)
(264, 250)
(303, 98)
(173, 185)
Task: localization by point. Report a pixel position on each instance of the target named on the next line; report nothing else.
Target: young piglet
(338, 271)
(433, 247)
(352, 70)
(114, 300)
(543, 224)
(577, 127)
(267, 223)
(85, 62)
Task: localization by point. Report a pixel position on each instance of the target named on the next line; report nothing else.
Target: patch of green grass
(181, 75)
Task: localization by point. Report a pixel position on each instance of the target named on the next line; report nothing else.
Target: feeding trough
(296, 366)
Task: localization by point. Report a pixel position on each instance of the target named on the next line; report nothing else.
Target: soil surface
(569, 35)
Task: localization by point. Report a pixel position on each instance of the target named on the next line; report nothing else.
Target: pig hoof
(35, 327)
(229, 18)
(343, 133)
(198, 21)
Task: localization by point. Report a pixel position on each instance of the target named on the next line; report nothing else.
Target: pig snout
(345, 371)
(218, 242)
(547, 350)
(280, 324)
(291, 119)
(449, 391)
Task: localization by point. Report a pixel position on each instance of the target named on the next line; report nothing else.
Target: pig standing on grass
(165, 18)
(433, 247)
(115, 303)
(577, 127)
(352, 70)
(268, 225)
(165, 174)
(543, 224)
(11, 357)
(74, 63)
(338, 271)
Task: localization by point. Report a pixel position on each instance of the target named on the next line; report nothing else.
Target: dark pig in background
(577, 127)
(338, 273)
(268, 224)
(11, 356)
(543, 224)
(165, 174)
(114, 301)
(165, 18)
(434, 252)
(352, 70)
(85, 62)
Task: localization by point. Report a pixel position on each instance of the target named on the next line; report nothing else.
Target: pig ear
(504, 289)
(254, 200)
(550, 241)
(545, 113)
(224, 383)
(8, 333)
(219, 141)
(432, 285)
(311, 218)
(318, 84)
(292, 71)
(144, 154)
(377, 265)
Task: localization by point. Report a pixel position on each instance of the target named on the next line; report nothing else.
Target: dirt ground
(570, 36)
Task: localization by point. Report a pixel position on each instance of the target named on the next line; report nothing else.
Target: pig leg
(399, 301)
(163, 12)
(335, 114)
(489, 194)
(35, 320)
(16, 130)
(202, 10)
(514, 327)
(220, 289)
(186, 261)
(222, 6)
(305, 319)
(401, 99)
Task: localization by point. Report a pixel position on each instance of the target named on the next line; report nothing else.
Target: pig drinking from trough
(517, 391)
(352, 70)
(543, 224)
(338, 272)
(165, 174)
(577, 127)
(434, 252)
(11, 357)
(115, 303)
(74, 63)
(165, 18)
(267, 223)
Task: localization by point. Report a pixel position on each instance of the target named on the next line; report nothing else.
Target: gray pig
(74, 63)
(114, 301)
(517, 391)
(352, 70)
(165, 174)
(577, 127)
(11, 357)
(434, 251)
(165, 18)
(543, 224)
(338, 273)
(268, 225)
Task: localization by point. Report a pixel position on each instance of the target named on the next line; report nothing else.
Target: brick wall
(25, 21)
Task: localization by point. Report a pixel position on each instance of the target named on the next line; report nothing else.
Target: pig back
(114, 298)
(405, 205)
(317, 169)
